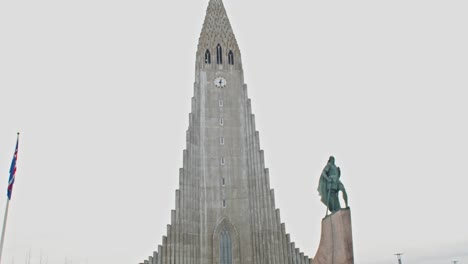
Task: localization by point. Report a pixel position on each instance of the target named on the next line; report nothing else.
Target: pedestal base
(336, 241)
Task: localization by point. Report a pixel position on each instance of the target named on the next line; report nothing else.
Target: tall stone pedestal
(336, 241)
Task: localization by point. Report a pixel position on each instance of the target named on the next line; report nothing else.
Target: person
(330, 185)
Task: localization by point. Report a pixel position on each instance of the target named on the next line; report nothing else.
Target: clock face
(220, 82)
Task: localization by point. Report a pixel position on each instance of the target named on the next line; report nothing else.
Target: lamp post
(399, 257)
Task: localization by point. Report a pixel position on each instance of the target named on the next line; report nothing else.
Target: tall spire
(225, 210)
(216, 29)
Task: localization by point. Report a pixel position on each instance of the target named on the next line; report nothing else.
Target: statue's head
(331, 159)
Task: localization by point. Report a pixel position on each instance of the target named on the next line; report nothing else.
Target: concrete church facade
(225, 210)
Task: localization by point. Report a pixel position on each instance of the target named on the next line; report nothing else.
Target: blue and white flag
(11, 180)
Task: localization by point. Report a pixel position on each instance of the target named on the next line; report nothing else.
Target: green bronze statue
(330, 185)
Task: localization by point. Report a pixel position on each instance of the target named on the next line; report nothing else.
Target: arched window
(207, 57)
(225, 248)
(231, 58)
(219, 54)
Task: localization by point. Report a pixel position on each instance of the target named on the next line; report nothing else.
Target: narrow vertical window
(221, 103)
(207, 57)
(225, 246)
(222, 161)
(224, 205)
(221, 121)
(231, 58)
(219, 54)
(224, 181)
(221, 141)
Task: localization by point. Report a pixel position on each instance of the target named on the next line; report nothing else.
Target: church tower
(225, 210)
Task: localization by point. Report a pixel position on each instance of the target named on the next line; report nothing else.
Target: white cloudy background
(100, 91)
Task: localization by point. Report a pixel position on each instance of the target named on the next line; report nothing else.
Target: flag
(11, 180)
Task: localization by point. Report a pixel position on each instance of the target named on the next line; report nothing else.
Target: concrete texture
(224, 184)
(336, 241)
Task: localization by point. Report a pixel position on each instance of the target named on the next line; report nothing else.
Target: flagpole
(4, 227)
(11, 181)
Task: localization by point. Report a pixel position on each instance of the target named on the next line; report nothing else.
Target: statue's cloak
(323, 189)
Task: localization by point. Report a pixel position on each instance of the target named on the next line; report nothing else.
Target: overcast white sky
(101, 93)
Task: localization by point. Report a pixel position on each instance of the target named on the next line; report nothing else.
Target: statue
(330, 185)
